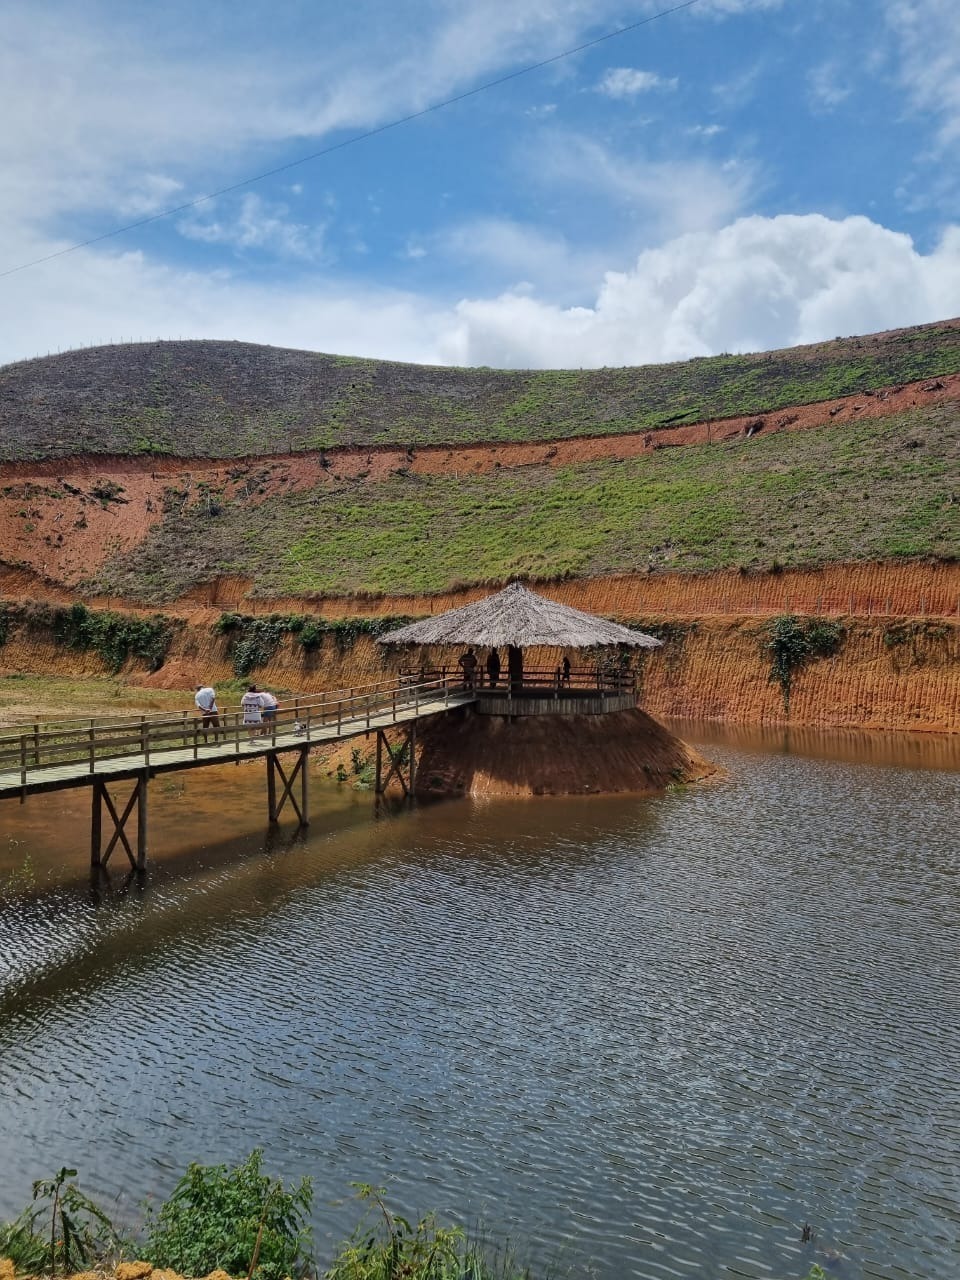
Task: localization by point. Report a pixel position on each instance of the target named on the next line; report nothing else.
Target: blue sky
(743, 174)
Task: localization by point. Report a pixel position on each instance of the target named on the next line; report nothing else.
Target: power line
(355, 138)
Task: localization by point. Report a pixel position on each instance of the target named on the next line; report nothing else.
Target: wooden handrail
(145, 737)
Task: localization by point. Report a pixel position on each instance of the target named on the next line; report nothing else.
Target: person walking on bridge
(206, 702)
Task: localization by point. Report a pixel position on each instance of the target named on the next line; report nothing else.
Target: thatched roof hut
(518, 618)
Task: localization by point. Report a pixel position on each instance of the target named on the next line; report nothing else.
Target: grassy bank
(242, 1222)
(26, 696)
(876, 490)
(228, 399)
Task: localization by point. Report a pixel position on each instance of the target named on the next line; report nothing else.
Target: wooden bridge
(104, 753)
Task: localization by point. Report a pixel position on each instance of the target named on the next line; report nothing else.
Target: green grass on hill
(880, 489)
(230, 399)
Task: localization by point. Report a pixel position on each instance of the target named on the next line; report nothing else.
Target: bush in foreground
(249, 1225)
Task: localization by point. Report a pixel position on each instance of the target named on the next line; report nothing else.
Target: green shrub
(392, 1247)
(255, 640)
(114, 636)
(239, 1219)
(791, 643)
(61, 1230)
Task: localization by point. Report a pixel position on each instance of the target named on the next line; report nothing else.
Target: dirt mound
(626, 751)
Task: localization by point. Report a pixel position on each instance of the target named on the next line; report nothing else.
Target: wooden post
(92, 750)
(304, 788)
(413, 757)
(96, 823)
(36, 744)
(272, 788)
(142, 821)
(378, 786)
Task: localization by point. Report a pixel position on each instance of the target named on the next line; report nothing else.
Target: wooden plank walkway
(53, 777)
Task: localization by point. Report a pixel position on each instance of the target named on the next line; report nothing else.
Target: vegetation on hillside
(230, 399)
(254, 640)
(881, 489)
(116, 637)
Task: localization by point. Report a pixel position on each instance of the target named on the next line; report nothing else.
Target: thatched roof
(519, 617)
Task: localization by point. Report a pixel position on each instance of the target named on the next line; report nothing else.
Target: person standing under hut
(468, 661)
(493, 668)
(252, 709)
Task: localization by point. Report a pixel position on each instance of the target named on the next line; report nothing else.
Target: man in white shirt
(206, 701)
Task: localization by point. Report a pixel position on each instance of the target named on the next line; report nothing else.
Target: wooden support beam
(275, 769)
(395, 756)
(142, 821)
(101, 799)
(271, 788)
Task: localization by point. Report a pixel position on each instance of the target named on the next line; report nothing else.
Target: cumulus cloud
(757, 284)
(627, 82)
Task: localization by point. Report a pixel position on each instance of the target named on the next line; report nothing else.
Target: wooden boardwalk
(71, 754)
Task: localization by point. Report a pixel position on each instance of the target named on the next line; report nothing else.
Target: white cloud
(525, 257)
(257, 224)
(706, 130)
(927, 47)
(758, 284)
(666, 198)
(627, 82)
(827, 86)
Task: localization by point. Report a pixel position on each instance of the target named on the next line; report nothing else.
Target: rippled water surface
(648, 1037)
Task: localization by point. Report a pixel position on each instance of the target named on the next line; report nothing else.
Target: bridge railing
(148, 738)
(49, 724)
(536, 680)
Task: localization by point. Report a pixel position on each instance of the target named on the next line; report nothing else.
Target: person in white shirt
(206, 703)
(252, 709)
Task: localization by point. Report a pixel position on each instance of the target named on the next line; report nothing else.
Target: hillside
(207, 399)
(862, 489)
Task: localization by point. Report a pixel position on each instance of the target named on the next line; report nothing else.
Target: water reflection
(662, 1032)
(858, 746)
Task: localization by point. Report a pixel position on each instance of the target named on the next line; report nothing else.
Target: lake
(643, 1037)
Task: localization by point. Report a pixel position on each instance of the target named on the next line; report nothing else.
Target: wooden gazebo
(516, 619)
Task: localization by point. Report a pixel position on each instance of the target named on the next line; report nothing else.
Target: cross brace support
(102, 800)
(275, 773)
(402, 754)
